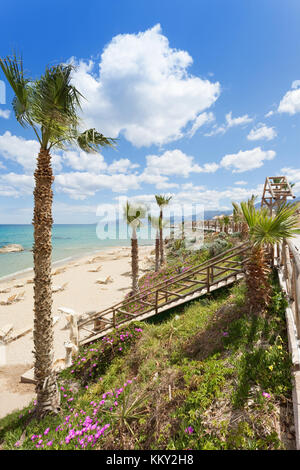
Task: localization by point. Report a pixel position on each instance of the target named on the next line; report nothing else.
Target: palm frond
(55, 104)
(51, 105)
(265, 228)
(134, 213)
(162, 200)
(91, 140)
(12, 67)
(157, 222)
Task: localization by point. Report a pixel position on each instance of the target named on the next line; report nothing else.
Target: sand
(81, 293)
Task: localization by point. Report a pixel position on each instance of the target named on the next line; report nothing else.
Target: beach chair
(58, 271)
(95, 270)
(107, 280)
(9, 301)
(19, 296)
(5, 291)
(59, 288)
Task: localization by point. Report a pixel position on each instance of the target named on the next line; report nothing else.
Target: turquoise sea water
(68, 241)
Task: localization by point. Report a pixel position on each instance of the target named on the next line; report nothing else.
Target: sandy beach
(80, 292)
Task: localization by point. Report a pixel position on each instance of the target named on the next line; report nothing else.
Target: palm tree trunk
(157, 252)
(244, 231)
(46, 388)
(161, 240)
(134, 262)
(257, 274)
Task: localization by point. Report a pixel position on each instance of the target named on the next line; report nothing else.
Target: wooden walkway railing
(287, 259)
(190, 284)
(216, 225)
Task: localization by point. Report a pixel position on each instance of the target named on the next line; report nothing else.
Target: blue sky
(203, 96)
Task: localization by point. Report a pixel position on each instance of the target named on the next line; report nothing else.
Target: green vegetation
(265, 230)
(205, 376)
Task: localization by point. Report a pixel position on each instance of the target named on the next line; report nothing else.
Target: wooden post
(272, 255)
(207, 279)
(296, 297)
(294, 292)
(114, 318)
(156, 302)
(288, 271)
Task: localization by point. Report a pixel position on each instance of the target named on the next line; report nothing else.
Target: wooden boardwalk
(190, 284)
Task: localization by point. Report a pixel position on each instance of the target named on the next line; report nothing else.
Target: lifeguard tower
(276, 191)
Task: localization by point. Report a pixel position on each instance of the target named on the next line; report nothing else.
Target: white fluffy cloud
(230, 122)
(142, 89)
(176, 162)
(247, 160)
(238, 121)
(80, 185)
(293, 175)
(262, 132)
(210, 199)
(201, 120)
(15, 185)
(22, 151)
(124, 165)
(290, 103)
(269, 114)
(5, 113)
(82, 161)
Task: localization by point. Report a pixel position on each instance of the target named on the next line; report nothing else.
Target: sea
(68, 242)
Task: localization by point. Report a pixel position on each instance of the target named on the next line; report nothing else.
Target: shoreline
(83, 287)
(20, 274)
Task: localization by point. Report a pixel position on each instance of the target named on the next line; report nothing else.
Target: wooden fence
(189, 284)
(287, 259)
(216, 225)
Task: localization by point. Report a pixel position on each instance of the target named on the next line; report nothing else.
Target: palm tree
(162, 202)
(226, 222)
(239, 216)
(49, 106)
(264, 230)
(156, 224)
(133, 215)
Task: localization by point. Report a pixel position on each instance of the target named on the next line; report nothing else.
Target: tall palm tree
(264, 230)
(49, 106)
(133, 215)
(239, 216)
(226, 222)
(156, 224)
(162, 202)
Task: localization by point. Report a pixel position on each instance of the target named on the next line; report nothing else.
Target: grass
(207, 375)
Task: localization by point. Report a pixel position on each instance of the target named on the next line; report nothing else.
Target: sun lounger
(59, 288)
(107, 280)
(95, 270)
(5, 291)
(9, 301)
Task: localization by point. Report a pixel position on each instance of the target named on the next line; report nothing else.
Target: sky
(203, 97)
